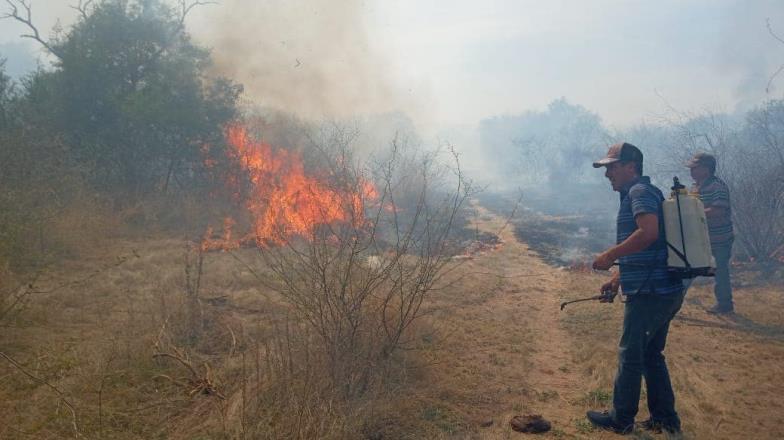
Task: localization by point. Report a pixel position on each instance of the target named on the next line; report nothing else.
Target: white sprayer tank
(687, 231)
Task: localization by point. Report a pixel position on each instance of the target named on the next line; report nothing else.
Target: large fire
(283, 200)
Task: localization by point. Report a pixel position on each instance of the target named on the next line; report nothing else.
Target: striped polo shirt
(645, 271)
(715, 193)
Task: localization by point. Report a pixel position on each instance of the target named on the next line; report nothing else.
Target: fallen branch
(74, 418)
(196, 384)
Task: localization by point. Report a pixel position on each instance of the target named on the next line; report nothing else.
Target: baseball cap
(620, 152)
(708, 160)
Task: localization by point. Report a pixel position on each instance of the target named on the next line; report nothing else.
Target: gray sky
(455, 62)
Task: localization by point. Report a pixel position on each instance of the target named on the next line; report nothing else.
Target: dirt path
(553, 378)
(510, 351)
(521, 357)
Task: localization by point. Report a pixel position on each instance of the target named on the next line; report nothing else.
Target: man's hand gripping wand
(607, 296)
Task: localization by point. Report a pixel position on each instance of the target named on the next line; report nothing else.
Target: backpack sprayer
(686, 233)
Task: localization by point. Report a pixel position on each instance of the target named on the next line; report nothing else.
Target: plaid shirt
(714, 193)
(644, 271)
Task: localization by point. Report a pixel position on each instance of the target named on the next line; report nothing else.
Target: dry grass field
(123, 344)
(513, 352)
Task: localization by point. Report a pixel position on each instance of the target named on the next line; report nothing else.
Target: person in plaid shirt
(653, 297)
(716, 197)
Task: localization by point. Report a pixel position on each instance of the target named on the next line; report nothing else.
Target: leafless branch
(13, 300)
(773, 77)
(27, 20)
(508, 219)
(196, 383)
(74, 418)
(104, 376)
(186, 7)
(119, 261)
(359, 285)
(83, 8)
(781, 68)
(773, 34)
(179, 357)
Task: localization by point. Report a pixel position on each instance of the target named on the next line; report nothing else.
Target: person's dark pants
(722, 288)
(646, 322)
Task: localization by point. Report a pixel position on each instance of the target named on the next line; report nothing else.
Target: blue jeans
(722, 288)
(646, 322)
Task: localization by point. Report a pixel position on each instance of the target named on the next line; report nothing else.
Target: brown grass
(120, 337)
(724, 369)
(492, 345)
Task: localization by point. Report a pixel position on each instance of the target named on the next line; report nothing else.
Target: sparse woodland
(166, 275)
(125, 138)
(749, 147)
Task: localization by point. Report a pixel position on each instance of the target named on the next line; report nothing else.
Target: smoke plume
(309, 57)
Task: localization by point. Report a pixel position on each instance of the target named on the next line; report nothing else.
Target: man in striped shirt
(653, 296)
(716, 197)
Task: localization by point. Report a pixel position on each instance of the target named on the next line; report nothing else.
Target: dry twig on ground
(63, 398)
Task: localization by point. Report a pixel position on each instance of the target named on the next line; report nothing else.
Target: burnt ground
(569, 229)
(563, 229)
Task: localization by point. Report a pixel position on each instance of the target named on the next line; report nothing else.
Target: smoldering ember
(351, 219)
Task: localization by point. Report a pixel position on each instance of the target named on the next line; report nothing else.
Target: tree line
(557, 145)
(122, 117)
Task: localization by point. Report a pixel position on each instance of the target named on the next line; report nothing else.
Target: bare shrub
(757, 183)
(326, 350)
(750, 155)
(359, 285)
(758, 213)
(284, 393)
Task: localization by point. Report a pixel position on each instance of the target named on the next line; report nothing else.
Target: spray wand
(607, 296)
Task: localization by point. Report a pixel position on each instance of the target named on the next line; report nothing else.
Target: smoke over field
(357, 219)
(312, 58)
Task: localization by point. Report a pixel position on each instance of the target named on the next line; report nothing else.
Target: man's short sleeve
(643, 201)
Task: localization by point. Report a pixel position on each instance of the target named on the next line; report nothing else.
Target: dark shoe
(603, 420)
(720, 310)
(651, 425)
(657, 427)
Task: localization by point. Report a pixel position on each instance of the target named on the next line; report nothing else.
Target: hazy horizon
(453, 65)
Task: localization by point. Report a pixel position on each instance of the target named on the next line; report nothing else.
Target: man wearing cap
(653, 296)
(716, 197)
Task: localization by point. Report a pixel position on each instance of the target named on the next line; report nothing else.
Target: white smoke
(309, 57)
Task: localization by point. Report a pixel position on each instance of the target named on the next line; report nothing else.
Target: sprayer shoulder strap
(679, 254)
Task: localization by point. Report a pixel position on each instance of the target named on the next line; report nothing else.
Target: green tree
(122, 115)
(131, 96)
(36, 174)
(6, 93)
(554, 145)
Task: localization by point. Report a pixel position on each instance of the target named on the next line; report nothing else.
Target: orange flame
(284, 201)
